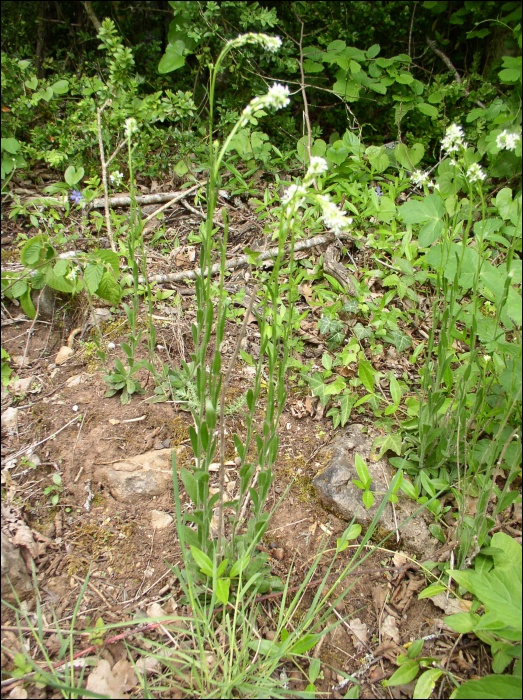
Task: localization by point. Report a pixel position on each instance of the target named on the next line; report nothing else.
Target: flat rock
(142, 476)
(338, 494)
(15, 571)
(160, 520)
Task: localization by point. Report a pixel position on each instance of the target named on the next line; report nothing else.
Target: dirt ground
(129, 560)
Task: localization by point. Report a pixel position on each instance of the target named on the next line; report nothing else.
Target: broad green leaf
(362, 470)
(93, 275)
(173, 58)
(58, 282)
(463, 623)
(27, 304)
(304, 644)
(434, 589)
(366, 373)
(326, 361)
(314, 669)
(395, 390)
(109, 289)
(406, 673)
(404, 78)
(368, 499)
(500, 591)
(373, 51)
(346, 404)
(190, 484)
(426, 682)
(222, 589)
(429, 110)
(490, 688)
(409, 157)
(202, 560)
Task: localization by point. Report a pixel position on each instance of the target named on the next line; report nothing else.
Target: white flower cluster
(116, 178)
(277, 97)
(475, 173)
(296, 193)
(333, 217)
(508, 141)
(453, 139)
(419, 178)
(131, 126)
(317, 166)
(271, 43)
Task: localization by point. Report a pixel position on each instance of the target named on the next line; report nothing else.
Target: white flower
(508, 141)
(295, 191)
(475, 173)
(278, 96)
(419, 178)
(116, 177)
(271, 43)
(333, 218)
(436, 186)
(453, 139)
(131, 126)
(452, 162)
(317, 166)
(72, 274)
(111, 346)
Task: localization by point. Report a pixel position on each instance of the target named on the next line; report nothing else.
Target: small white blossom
(419, 178)
(436, 186)
(508, 141)
(278, 96)
(271, 43)
(111, 346)
(116, 177)
(333, 218)
(453, 139)
(295, 191)
(317, 166)
(475, 173)
(72, 274)
(131, 126)
(452, 162)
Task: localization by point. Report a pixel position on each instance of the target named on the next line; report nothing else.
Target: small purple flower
(379, 192)
(76, 197)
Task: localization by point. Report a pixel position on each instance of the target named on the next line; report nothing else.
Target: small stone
(76, 380)
(166, 443)
(238, 461)
(340, 607)
(270, 635)
(10, 419)
(160, 520)
(158, 445)
(278, 554)
(64, 354)
(21, 386)
(295, 675)
(155, 610)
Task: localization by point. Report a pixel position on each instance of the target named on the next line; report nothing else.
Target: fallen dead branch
(245, 260)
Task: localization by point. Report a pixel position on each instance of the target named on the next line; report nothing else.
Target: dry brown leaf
(360, 633)
(390, 629)
(450, 606)
(112, 682)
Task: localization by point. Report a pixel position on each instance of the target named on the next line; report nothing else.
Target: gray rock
(44, 299)
(142, 476)
(15, 571)
(338, 494)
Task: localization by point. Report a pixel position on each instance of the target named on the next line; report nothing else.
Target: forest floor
(129, 545)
